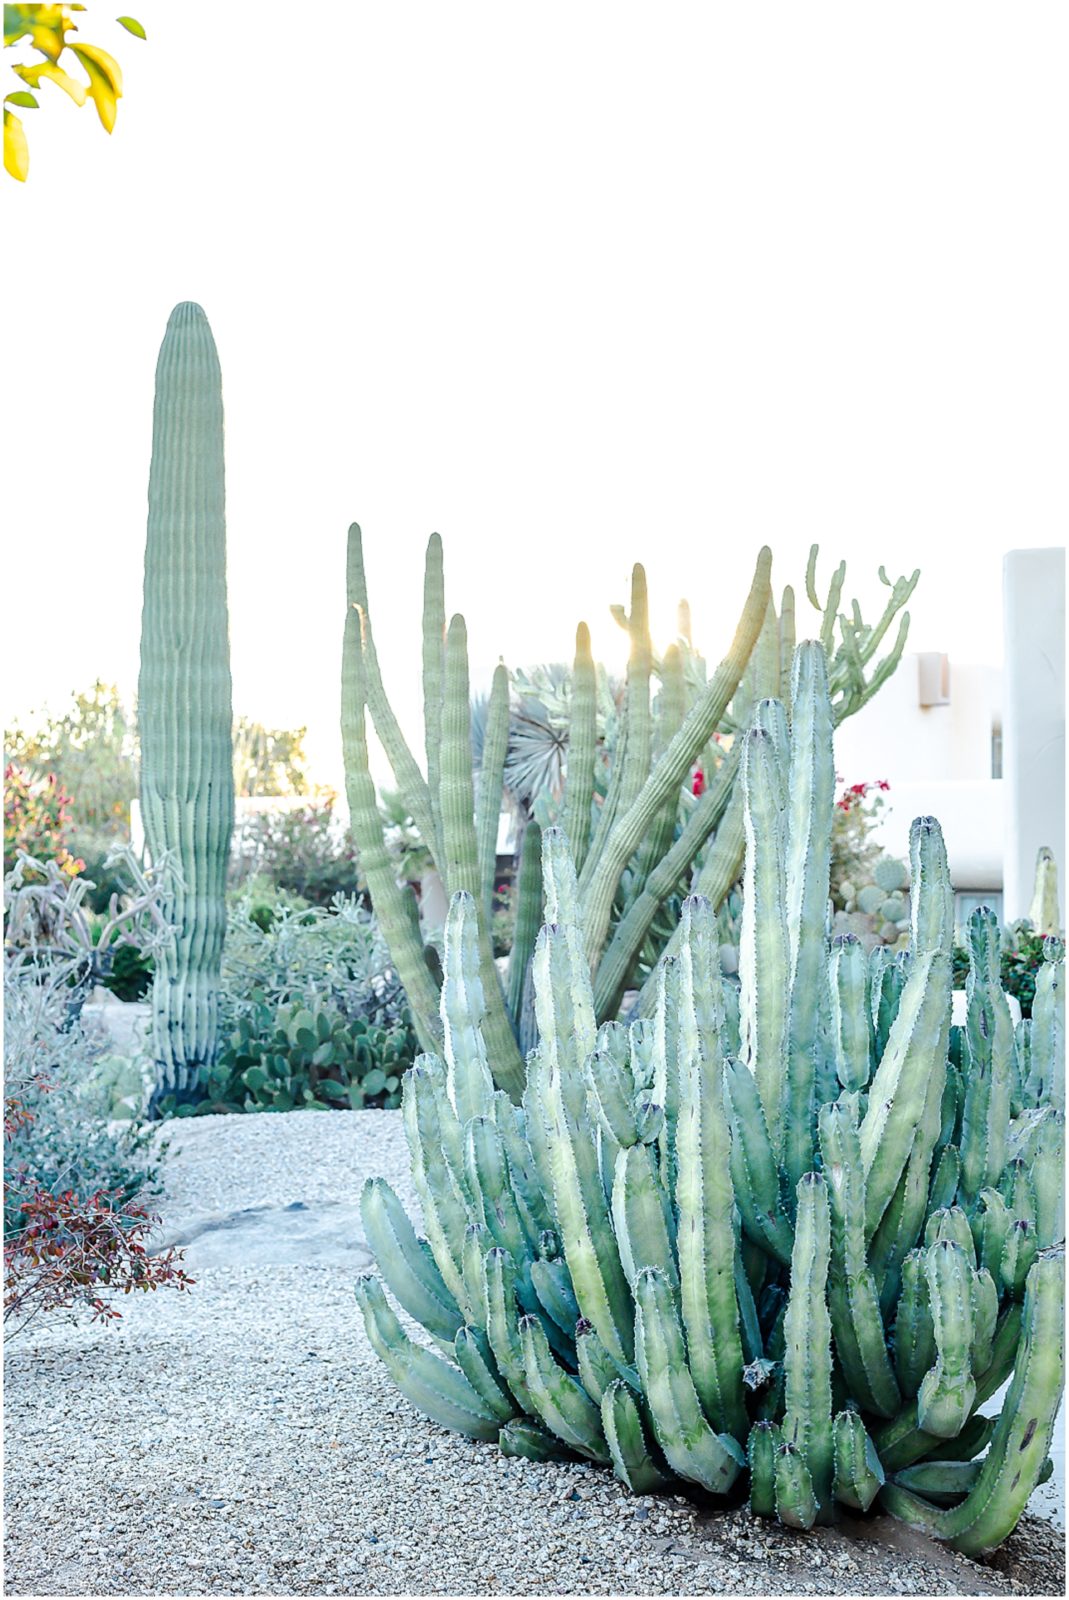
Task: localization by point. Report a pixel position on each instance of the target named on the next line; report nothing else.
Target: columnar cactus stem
(690, 1445)
(184, 713)
(616, 965)
(433, 676)
(435, 1386)
(859, 1475)
(403, 939)
(406, 770)
(582, 746)
(1021, 1441)
(463, 1011)
(406, 1261)
(621, 1331)
(764, 952)
(528, 920)
(703, 1192)
(457, 802)
(627, 1441)
(807, 1423)
(900, 1087)
(491, 777)
(599, 882)
(948, 1390)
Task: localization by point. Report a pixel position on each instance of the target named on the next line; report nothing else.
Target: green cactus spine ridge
(184, 699)
(625, 1269)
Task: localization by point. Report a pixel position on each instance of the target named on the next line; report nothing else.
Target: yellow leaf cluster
(46, 27)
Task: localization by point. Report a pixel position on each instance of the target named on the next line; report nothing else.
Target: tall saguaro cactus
(184, 711)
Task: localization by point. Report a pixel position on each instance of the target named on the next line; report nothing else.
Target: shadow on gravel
(274, 1236)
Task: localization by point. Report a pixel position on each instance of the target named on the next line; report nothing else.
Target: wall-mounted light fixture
(933, 679)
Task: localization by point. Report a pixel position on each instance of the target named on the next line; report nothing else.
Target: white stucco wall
(937, 760)
(896, 738)
(1034, 722)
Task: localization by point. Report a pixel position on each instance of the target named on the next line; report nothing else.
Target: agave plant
(782, 1238)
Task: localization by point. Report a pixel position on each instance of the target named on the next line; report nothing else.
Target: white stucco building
(979, 747)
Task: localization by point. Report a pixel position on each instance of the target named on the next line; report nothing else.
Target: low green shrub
(50, 1067)
(1023, 952)
(282, 1059)
(300, 851)
(311, 1012)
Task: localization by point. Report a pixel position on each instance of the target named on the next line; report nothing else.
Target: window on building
(996, 752)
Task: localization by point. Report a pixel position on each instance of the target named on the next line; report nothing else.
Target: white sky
(574, 285)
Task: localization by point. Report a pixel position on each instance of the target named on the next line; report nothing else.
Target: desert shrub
(51, 938)
(76, 1187)
(263, 901)
(102, 870)
(37, 819)
(131, 972)
(333, 954)
(301, 851)
(1020, 958)
(310, 1012)
(92, 750)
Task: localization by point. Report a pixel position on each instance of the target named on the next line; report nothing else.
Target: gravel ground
(242, 1439)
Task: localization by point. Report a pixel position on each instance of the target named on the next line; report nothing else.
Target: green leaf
(374, 1082)
(324, 1055)
(21, 97)
(254, 1078)
(132, 25)
(330, 1086)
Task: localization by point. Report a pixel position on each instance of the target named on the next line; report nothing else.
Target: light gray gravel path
(242, 1439)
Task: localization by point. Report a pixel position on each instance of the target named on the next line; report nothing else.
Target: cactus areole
(782, 1239)
(184, 710)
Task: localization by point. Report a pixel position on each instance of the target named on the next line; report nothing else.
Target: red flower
(698, 784)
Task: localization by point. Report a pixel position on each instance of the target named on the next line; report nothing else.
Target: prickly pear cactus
(184, 713)
(783, 1239)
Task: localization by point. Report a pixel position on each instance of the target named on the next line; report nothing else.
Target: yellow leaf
(105, 81)
(48, 30)
(63, 80)
(16, 150)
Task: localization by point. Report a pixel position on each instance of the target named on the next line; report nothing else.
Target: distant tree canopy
(42, 31)
(92, 751)
(268, 760)
(91, 748)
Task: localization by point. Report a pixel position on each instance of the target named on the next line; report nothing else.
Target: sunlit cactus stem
(184, 710)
